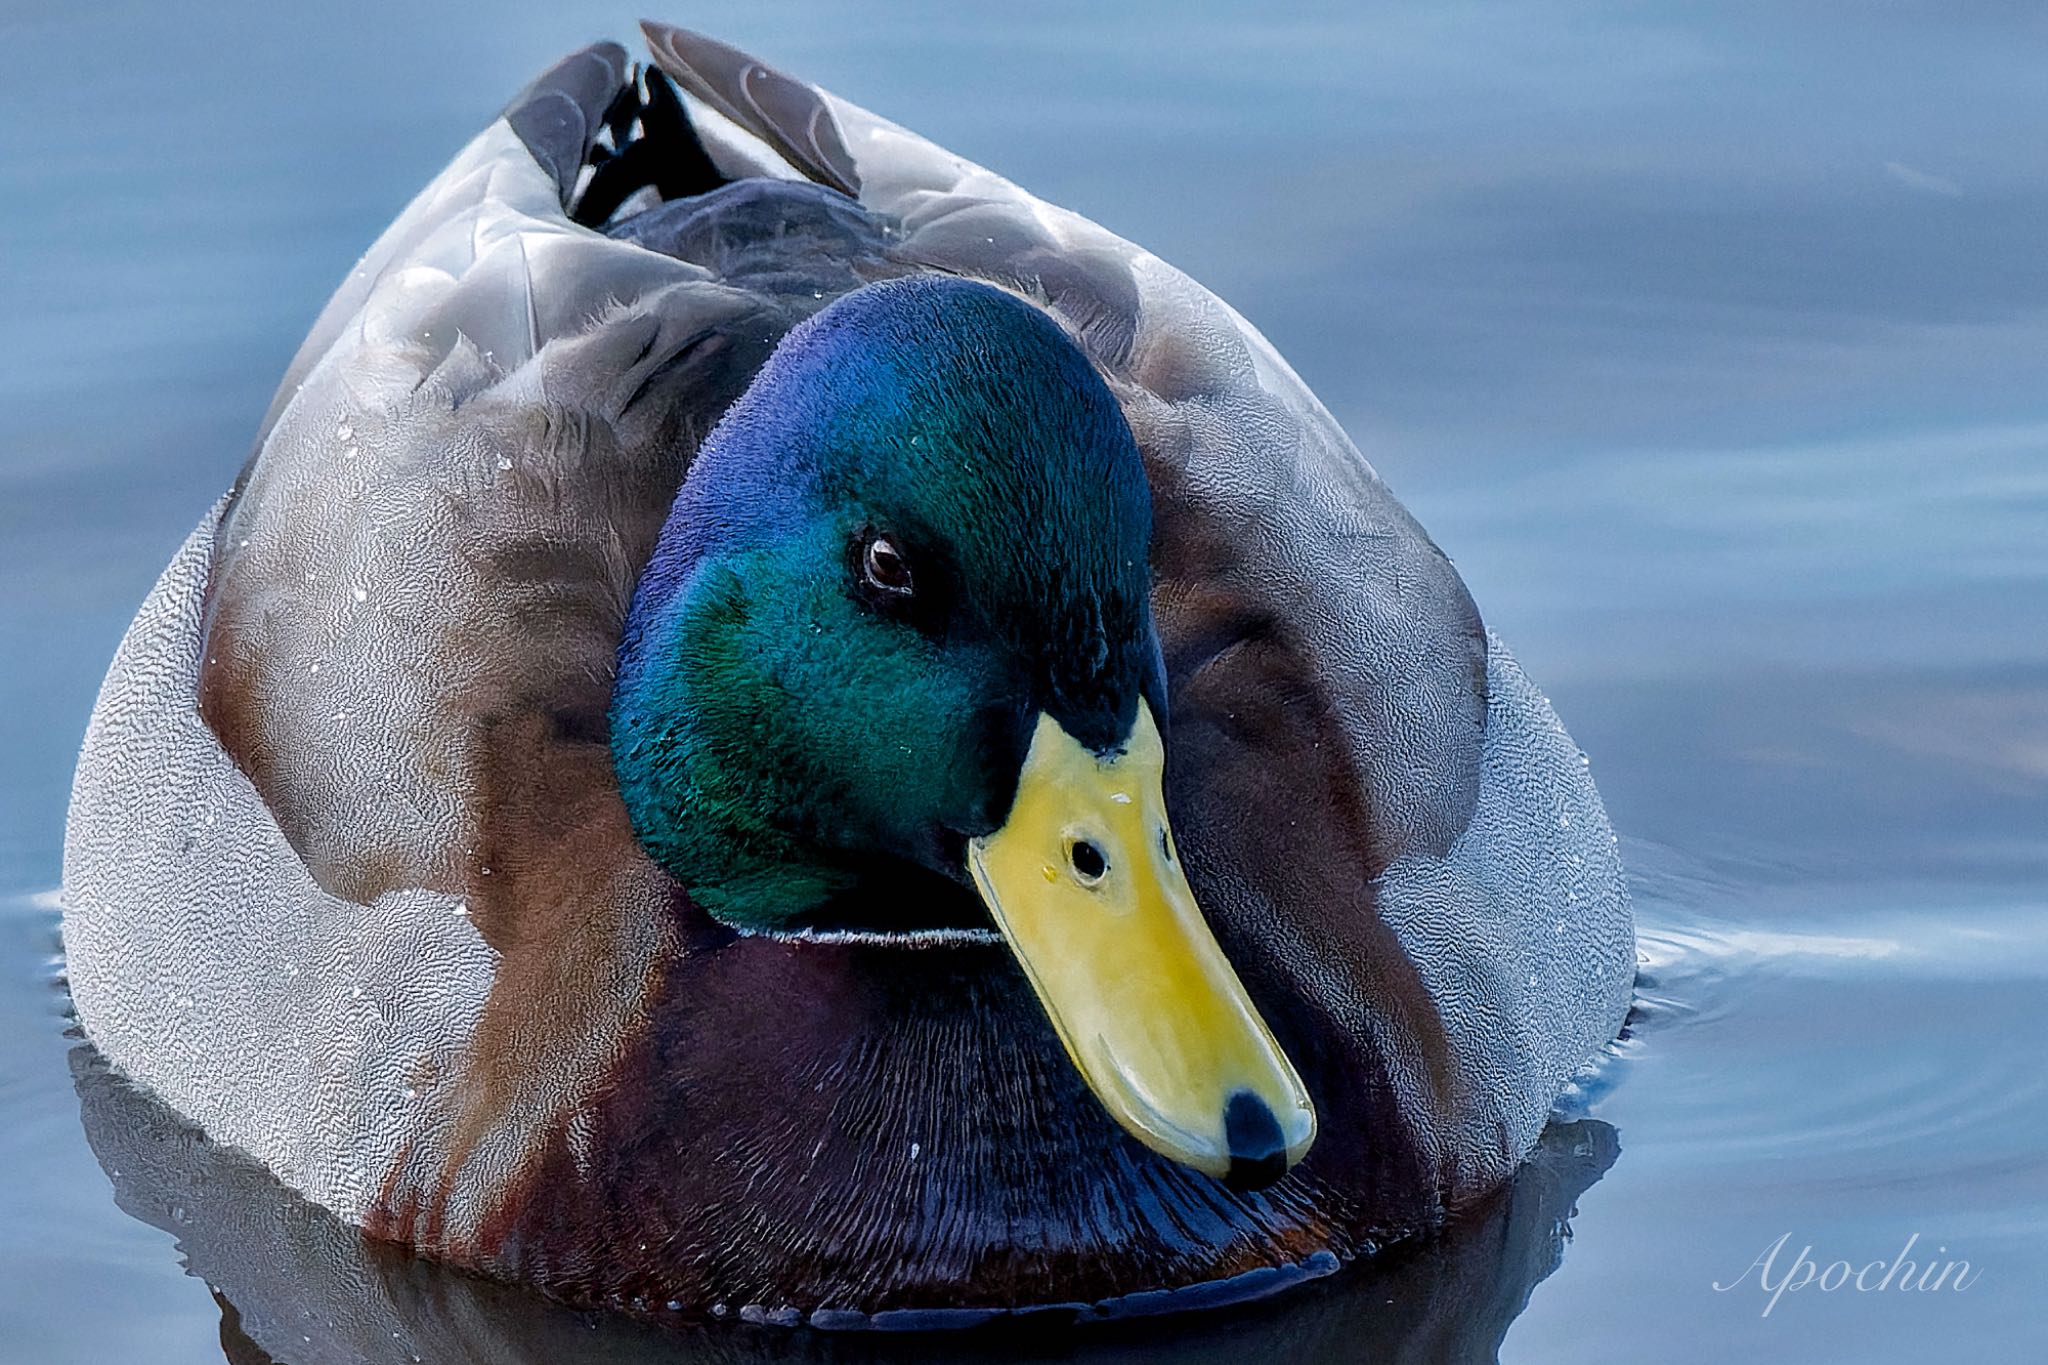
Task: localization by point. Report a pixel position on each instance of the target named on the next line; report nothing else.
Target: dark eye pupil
(885, 567)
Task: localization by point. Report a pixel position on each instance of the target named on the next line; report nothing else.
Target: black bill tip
(1258, 1153)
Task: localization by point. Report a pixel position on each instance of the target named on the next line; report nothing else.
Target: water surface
(1709, 343)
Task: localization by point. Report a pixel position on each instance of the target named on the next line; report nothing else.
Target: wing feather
(787, 114)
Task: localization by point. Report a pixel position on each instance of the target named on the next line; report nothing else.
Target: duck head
(892, 669)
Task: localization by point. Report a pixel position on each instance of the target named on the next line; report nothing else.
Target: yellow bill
(1085, 884)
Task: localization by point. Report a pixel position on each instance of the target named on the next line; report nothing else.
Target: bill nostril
(1258, 1151)
(1087, 860)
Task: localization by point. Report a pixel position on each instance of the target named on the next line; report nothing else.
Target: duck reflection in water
(297, 1285)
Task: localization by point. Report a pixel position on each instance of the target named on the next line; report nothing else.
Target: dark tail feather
(664, 153)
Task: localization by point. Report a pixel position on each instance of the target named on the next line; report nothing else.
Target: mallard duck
(777, 727)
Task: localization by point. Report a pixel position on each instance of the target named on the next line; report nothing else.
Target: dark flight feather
(784, 113)
(559, 116)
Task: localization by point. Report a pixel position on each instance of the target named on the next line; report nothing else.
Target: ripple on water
(1840, 1056)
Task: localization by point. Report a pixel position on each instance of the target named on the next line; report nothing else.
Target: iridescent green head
(925, 523)
(896, 635)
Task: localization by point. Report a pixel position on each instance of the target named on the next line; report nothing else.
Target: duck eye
(883, 566)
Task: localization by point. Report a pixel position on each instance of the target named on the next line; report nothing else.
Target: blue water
(1709, 341)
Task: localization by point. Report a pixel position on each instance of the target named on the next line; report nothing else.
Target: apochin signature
(1874, 1277)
